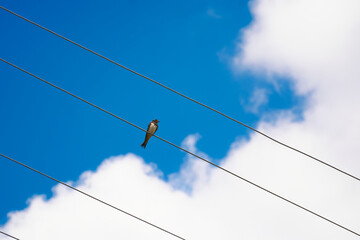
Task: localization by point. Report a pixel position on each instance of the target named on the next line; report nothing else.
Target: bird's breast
(152, 128)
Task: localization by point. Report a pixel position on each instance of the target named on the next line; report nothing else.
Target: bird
(152, 128)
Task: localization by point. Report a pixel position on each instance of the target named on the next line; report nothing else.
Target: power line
(182, 95)
(9, 235)
(88, 195)
(193, 154)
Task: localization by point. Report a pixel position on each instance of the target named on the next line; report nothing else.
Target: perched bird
(150, 131)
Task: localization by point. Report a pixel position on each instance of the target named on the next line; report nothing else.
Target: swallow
(152, 128)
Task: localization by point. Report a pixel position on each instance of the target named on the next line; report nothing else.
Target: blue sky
(179, 44)
(265, 65)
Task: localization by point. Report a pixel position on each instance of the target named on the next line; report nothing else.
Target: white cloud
(193, 173)
(315, 44)
(258, 99)
(126, 182)
(211, 13)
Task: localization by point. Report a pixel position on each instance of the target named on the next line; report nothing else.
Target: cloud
(211, 13)
(315, 45)
(124, 181)
(193, 173)
(258, 99)
(302, 40)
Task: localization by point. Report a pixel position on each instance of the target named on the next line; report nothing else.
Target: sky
(288, 68)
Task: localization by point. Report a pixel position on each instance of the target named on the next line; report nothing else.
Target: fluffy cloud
(313, 43)
(124, 181)
(193, 173)
(258, 99)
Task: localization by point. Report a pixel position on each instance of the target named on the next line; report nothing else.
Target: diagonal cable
(193, 154)
(90, 196)
(6, 234)
(191, 99)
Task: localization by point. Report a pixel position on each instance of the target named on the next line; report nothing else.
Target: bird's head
(156, 121)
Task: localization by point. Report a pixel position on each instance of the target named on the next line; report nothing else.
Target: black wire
(201, 158)
(191, 99)
(9, 235)
(88, 195)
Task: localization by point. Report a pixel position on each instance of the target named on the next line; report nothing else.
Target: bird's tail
(144, 144)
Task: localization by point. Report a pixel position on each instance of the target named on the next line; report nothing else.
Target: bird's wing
(156, 128)
(148, 127)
